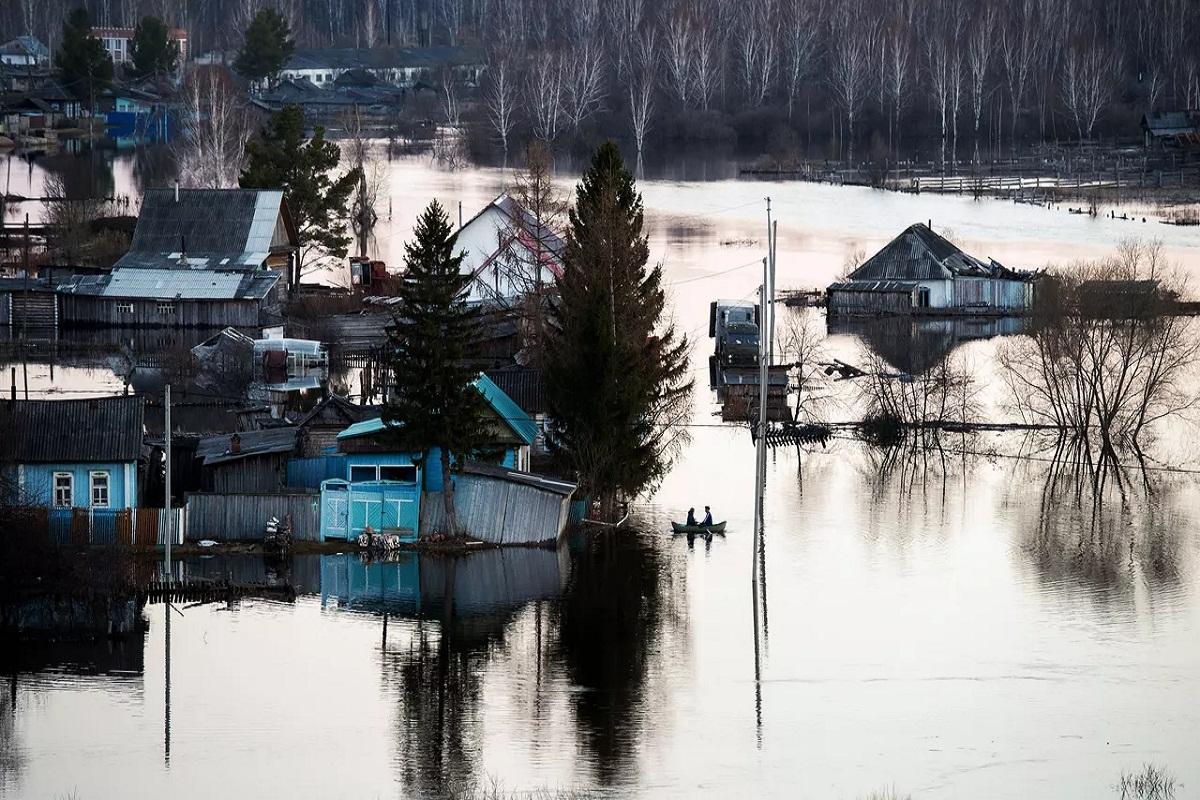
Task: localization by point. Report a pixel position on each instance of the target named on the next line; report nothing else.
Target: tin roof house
(24, 51)
(72, 453)
(508, 253)
(200, 258)
(920, 272)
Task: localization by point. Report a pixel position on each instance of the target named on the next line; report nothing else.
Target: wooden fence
(131, 527)
(243, 516)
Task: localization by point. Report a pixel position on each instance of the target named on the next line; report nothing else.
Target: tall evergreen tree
(434, 337)
(267, 46)
(153, 51)
(85, 66)
(281, 158)
(616, 371)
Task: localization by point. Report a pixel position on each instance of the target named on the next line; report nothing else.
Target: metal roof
(380, 57)
(174, 284)
(1172, 123)
(919, 254)
(216, 449)
(546, 484)
(882, 287)
(212, 228)
(525, 385)
(106, 429)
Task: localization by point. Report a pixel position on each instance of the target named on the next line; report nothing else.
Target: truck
(734, 325)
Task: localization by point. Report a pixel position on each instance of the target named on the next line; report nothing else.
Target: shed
(922, 272)
(320, 427)
(503, 506)
(1171, 128)
(247, 461)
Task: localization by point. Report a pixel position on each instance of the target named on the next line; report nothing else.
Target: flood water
(978, 621)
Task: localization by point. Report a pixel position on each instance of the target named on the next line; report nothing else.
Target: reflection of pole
(167, 684)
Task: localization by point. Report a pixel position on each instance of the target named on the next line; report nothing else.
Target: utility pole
(170, 523)
(768, 304)
(25, 315)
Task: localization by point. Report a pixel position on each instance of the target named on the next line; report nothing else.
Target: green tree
(281, 157)
(267, 46)
(433, 338)
(153, 51)
(81, 59)
(616, 372)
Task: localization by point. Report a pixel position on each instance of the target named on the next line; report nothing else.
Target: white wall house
(503, 245)
(398, 66)
(24, 51)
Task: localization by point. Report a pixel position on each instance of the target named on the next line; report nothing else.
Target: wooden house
(24, 51)
(920, 272)
(68, 454)
(503, 245)
(319, 428)
(1171, 129)
(247, 461)
(200, 258)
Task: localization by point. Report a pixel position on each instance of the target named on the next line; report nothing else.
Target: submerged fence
(243, 517)
(132, 527)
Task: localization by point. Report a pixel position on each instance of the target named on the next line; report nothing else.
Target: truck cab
(734, 325)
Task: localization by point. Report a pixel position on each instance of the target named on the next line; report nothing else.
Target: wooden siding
(262, 473)
(318, 441)
(243, 517)
(499, 512)
(846, 301)
(992, 293)
(90, 310)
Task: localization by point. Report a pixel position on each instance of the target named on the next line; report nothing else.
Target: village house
(68, 454)
(503, 244)
(247, 461)
(24, 51)
(118, 43)
(920, 272)
(319, 428)
(1171, 129)
(399, 66)
(200, 258)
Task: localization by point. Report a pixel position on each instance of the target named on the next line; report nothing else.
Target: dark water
(978, 620)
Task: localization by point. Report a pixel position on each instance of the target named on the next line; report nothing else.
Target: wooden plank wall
(243, 517)
(499, 512)
(88, 310)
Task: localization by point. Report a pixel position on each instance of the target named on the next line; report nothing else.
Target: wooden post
(170, 527)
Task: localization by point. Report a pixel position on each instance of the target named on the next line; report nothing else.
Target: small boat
(716, 527)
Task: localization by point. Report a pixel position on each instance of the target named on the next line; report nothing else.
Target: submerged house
(920, 272)
(73, 453)
(200, 258)
(508, 254)
(247, 461)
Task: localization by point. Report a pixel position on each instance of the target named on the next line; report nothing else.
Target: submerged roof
(919, 254)
(509, 412)
(214, 228)
(108, 429)
(174, 284)
(218, 449)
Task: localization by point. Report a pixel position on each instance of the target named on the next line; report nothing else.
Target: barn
(920, 272)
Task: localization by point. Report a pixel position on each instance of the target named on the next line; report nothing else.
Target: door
(335, 510)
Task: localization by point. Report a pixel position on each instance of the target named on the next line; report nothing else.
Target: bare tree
(981, 44)
(544, 94)
(363, 215)
(216, 123)
(899, 58)
(449, 95)
(849, 71)
(500, 97)
(756, 50)
(800, 45)
(583, 80)
(1018, 47)
(1087, 83)
(641, 87)
(706, 62)
(678, 54)
(450, 14)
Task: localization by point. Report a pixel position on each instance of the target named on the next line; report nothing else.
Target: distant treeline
(866, 73)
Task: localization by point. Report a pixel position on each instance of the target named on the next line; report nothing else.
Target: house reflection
(914, 345)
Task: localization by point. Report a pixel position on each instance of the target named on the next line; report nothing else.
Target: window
(363, 473)
(64, 490)
(99, 489)
(166, 308)
(124, 308)
(406, 473)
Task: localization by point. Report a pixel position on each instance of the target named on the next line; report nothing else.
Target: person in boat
(707, 517)
(691, 519)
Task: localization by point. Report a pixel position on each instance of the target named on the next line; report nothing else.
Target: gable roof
(533, 235)
(174, 284)
(525, 385)
(919, 254)
(219, 229)
(26, 45)
(333, 410)
(509, 413)
(108, 429)
(216, 449)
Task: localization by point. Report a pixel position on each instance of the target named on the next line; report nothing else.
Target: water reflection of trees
(1102, 515)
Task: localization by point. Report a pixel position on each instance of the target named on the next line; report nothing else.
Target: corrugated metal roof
(72, 431)
(175, 284)
(919, 254)
(364, 428)
(882, 287)
(547, 484)
(525, 385)
(215, 449)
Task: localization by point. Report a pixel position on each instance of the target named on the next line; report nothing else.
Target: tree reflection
(614, 624)
(1103, 515)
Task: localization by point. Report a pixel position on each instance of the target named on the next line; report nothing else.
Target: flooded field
(980, 620)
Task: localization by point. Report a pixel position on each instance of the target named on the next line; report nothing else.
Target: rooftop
(552, 485)
(380, 58)
(218, 449)
(100, 430)
(174, 284)
(919, 254)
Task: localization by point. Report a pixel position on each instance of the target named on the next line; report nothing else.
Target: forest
(959, 76)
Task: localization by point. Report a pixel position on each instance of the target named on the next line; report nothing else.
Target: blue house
(373, 484)
(67, 454)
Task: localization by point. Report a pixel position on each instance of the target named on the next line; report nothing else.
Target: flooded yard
(977, 620)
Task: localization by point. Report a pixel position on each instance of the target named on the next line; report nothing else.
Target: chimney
(176, 191)
(235, 443)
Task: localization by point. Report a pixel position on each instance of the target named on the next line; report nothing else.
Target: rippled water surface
(956, 623)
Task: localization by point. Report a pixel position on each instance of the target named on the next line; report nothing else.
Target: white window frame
(124, 308)
(106, 487)
(165, 307)
(70, 490)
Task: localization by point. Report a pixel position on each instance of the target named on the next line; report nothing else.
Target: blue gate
(347, 509)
